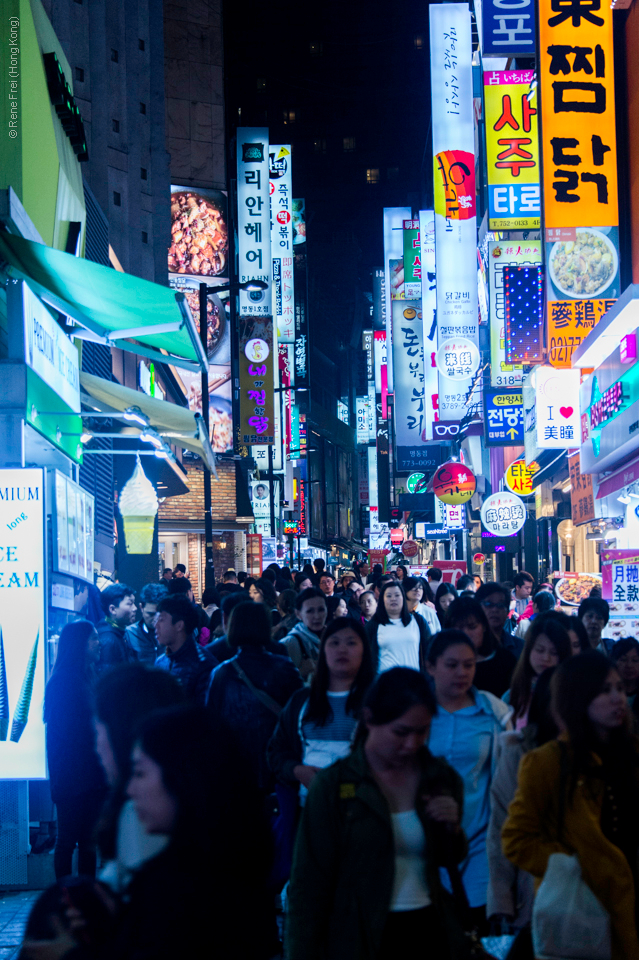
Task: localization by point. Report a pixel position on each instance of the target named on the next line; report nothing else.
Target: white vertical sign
(454, 187)
(393, 267)
(429, 318)
(253, 219)
(281, 193)
(557, 408)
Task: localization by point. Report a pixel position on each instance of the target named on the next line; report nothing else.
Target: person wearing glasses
(495, 600)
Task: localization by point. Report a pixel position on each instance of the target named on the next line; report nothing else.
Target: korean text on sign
(281, 194)
(578, 113)
(253, 219)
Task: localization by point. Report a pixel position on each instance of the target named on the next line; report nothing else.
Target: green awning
(108, 306)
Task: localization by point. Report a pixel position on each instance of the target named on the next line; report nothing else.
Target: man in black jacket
(189, 663)
(118, 604)
(142, 633)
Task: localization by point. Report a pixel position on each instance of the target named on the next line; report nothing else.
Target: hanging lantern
(454, 483)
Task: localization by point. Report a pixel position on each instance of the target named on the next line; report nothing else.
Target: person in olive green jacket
(580, 794)
(376, 827)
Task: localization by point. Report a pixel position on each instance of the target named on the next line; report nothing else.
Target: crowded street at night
(319, 480)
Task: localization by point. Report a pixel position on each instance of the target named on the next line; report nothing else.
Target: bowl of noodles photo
(583, 268)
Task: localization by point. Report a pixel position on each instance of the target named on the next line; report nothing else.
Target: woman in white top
(414, 590)
(398, 637)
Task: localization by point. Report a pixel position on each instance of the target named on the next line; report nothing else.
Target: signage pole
(271, 490)
(209, 569)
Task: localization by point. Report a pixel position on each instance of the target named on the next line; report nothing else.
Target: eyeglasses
(489, 605)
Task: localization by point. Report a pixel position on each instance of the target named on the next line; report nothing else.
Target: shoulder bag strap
(261, 695)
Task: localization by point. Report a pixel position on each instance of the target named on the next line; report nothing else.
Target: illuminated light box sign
(254, 219)
(503, 514)
(504, 413)
(502, 254)
(512, 150)
(509, 28)
(520, 478)
(256, 380)
(22, 624)
(429, 317)
(281, 194)
(524, 295)
(556, 408)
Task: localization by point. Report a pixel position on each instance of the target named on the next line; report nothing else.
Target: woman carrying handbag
(577, 797)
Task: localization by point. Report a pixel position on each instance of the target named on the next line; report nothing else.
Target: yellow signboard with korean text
(512, 150)
(578, 114)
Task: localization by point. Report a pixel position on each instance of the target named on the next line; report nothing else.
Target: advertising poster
(408, 363)
(620, 575)
(518, 253)
(504, 418)
(261, 503)
(412, 261)
(454, 188)
(256, 380)
(254, 219)
(429, 318)
(581, 494)
(281, 193)
(300, 276)
(512, 150)
(393, 286)
(199, 254)
(579, 147)
(22, 624)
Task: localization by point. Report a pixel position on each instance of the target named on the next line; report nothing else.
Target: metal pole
(271, 490)
(209, 569)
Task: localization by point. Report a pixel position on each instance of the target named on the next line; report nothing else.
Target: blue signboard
(504, 418)
(509, 28)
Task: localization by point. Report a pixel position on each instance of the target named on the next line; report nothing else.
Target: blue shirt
(466, 740)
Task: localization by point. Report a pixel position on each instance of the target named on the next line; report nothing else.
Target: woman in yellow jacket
(580, 794)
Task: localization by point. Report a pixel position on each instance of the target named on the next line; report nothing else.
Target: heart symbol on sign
(566, 412)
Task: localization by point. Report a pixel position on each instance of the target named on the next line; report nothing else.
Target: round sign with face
(454, 483)
(503, 514)
(520, 478)
(457, 358)
(256, 350)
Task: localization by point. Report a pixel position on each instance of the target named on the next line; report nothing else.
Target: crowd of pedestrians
(383, 760)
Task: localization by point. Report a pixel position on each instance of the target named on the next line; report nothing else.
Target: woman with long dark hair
(398, 637)
(318, 724)
(579, 794)
(78, 786)
(375, 829)
(414, 588)
(263, 591)
(547, 644)
(494, 667)
(444, 596)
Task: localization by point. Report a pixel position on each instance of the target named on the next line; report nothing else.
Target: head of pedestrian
(344, 664)
(249, 626)
(590, 705)
(363, 569)
(523, 583)
(230, 577)
(150, 596)
(263, 591)
(124, 696)
(78, 649)
(319, 564)
(179, 570)
(367, 604)
(392, 604)
(543, 602)
(385, 578)
(547, 645)
(625, 655)
(444, 596)
(286, 602)
(303, 581)
(396, 718)
(594, 613)
(451, 663)
(495, 601)
(336, 607)
(414, 590)
(118, 604)
(401, 571)
(311, 609)
(434, 576)
(168, 574)
(466, 582)
(347, 578)
(230, 601)
(175, 622)
(181, 588)
(467, 615)
(326, 583)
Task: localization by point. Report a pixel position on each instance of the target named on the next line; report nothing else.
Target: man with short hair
(434, 577)
(182, 587)
(118, 605)
(327, 583)
(466, 582)
(495, 600)
(220, 647)
(166, 575)
(319, 565)
(229, 583)
(362, 569)
(190, 664)
(303, 642)
(180, 571)
(141, 635)
(241, 577)
(594, 613)
(386, 578)
(522, 589)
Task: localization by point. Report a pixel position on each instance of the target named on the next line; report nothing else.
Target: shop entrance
(173, 548)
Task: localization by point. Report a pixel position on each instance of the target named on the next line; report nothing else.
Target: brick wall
(190, 506)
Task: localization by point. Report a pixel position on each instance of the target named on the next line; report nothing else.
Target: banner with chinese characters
(556, 407)
(620, 575)
(512, 150)
(256, 380)
(300, 275)
(281, 194)
(429, 318)
(454, 190)
(408, 363)
(253, 220)
(501, 253)
(581, 495)
(579, 148)
(412, 261)
(504, 417)
(393, 285)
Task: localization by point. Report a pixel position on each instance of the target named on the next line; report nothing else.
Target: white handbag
(568, 922)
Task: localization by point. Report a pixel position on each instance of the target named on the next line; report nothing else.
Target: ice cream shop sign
(22, 624)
